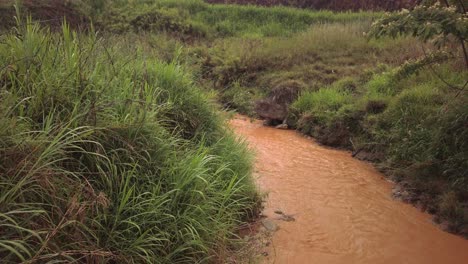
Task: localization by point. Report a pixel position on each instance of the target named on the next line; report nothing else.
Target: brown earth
(49, 12)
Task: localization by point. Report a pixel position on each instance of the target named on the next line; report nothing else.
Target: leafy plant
(435, 23)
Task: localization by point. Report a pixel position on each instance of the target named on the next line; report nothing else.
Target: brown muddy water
(342, 208)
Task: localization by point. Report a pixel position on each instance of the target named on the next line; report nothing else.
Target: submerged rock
(270, 225)
(282, 126)
(287, 218)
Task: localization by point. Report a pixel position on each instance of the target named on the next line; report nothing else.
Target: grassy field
(113, 148)
(336, 5)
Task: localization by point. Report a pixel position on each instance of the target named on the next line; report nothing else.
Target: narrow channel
(339, 209)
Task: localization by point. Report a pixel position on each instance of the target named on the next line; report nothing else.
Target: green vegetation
(109, 155)
(410, 119)
(196, 19)
(330, 4)
(113, 150)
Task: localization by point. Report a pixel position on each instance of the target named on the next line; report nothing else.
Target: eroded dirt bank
(340, 209)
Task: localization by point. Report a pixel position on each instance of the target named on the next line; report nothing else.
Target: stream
(338, 209)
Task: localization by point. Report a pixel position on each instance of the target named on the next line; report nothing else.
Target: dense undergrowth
(113, 151)
(108, 154)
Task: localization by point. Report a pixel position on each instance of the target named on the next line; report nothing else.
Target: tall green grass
(108, 154)
(213, 21)
(321, 100)
(318, 56)
(251, 21)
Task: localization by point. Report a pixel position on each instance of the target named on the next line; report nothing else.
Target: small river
(343, 208)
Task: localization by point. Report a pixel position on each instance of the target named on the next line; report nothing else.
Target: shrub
(322, 100)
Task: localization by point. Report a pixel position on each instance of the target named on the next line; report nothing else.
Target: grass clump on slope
(109, 155)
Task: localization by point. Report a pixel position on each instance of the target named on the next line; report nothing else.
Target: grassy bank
(110, 155)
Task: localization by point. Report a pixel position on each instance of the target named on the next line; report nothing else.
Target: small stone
(282, 126)
(270, 225)
(279, 212)
(287, 218)
(265, 254)
(445, 226)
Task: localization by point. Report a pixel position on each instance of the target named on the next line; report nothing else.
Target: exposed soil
(324, 206)
(274, 108)
(49, 12)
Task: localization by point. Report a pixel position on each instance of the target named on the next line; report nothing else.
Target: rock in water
(282, 126)
(270, 225)
(287, 218)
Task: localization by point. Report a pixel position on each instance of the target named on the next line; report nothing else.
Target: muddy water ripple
(343, 209)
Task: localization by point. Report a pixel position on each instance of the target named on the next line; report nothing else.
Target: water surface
(343, 209)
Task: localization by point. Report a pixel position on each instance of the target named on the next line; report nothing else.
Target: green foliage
(414, 66)
(276, 21)
(109, 155)
(434, 23)
(153, 19)
(410, 114)
(437, 24)
(203, 20)
(239, 98)
(325, 99)
(317, 113)
(318, 56)
(381, 85)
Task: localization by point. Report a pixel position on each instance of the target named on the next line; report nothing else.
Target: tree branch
(462, 6)
(440, 77)
(462, 41)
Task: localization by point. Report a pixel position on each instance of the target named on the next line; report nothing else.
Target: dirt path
(340, 209)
